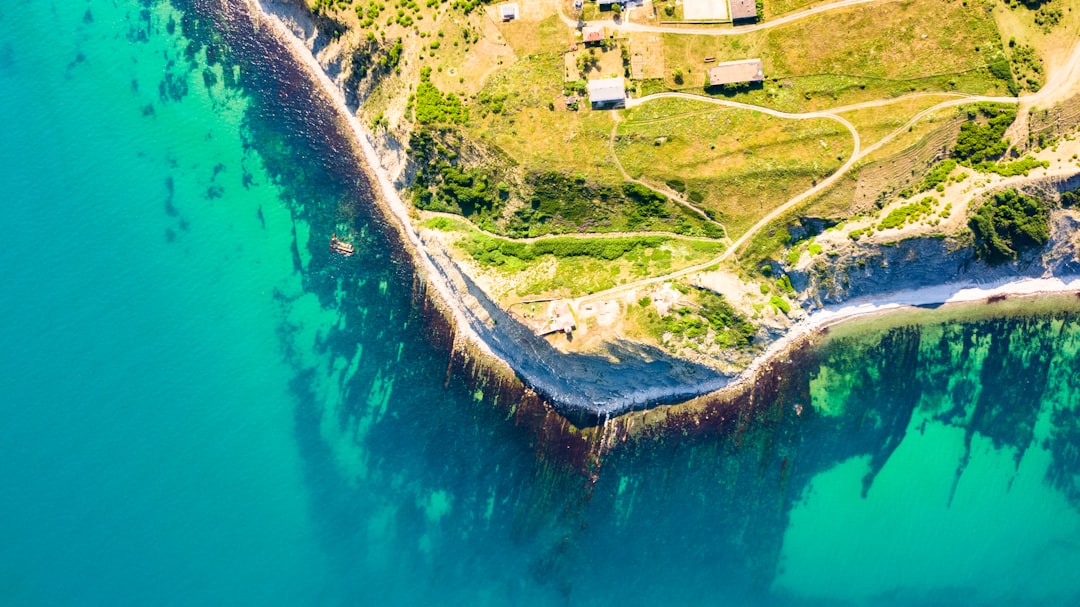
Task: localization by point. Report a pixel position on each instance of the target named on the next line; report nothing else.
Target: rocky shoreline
(589, 390)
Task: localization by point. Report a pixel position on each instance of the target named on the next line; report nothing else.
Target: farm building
(509, 12)
(607, 93)
(593, 35)
(743, 10)
(736, 72)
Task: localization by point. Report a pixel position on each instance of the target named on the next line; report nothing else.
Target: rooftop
(735, 72)
(606, 89)
(593, 34)
(743, 9)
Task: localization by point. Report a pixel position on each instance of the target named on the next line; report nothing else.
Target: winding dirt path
(667, 194)
(1059, 84)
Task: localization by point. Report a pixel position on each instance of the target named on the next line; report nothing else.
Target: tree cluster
(1009, 223)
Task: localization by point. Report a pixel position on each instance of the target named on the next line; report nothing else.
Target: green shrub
(785, 284)
(1011, 169)
(1009, 223)
(909, 212)
(431, 106)
(731, 329)
(979, 141)
(780, 304)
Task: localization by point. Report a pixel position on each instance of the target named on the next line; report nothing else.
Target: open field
(883, 50)
(532, 34)
(735, 164)
(568, 180)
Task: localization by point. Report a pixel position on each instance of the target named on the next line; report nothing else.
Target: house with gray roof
(746, 71)
(607, 93)
(743, 10)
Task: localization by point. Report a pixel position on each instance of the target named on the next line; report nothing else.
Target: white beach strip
(397, 208)
(964, 292)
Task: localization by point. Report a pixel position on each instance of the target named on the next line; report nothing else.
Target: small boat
(340, 247)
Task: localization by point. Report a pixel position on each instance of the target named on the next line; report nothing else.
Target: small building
(607, 93)
(736, 72)
(743, 10)
(606, 4)
(593, 34)
(561, 320)
(509, 12)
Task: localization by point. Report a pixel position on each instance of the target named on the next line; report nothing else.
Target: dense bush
(441, 184)
(731, 328)
(909, 212)
(1010, 169)
(1009, 223)
(978, 141)
(431, 106)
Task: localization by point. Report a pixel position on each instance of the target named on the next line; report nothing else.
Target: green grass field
(736, 164)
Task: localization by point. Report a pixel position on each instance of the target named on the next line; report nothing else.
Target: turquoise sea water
(202, 406)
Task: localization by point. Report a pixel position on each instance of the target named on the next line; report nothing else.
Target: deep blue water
(202, 406)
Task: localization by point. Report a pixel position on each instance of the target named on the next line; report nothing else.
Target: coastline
(951, 295)
(488, 336)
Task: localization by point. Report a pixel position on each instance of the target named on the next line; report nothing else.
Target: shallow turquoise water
(202, 406)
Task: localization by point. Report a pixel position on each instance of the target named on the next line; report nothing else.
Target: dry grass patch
(915, 134)
(529, 37)
(859, 53)
(539, 138)
(1054, 42)
(647, 52)
(875, 123)
(736, 164)
(776, 8)
(596, 62)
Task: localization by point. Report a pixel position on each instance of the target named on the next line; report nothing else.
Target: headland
(893, 219)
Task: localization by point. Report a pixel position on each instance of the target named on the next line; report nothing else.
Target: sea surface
(200, 405)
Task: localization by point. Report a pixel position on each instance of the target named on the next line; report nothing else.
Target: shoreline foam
(450, 297)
